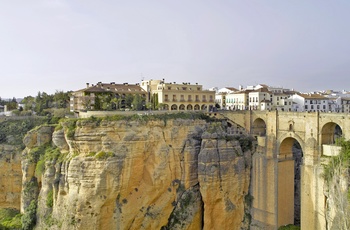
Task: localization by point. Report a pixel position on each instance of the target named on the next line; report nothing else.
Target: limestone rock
(178, 174)
(10, 176)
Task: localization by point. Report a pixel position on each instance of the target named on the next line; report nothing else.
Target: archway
(166, 107)
(259, 127)
(189, 107)
(330, 133)
(196, 107)
(204, 107)
(289, 164)
(174, 107)
(182, 107)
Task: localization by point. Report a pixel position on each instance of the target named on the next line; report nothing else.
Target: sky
(60, 45)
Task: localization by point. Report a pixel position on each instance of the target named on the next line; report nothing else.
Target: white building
(310, 103)
(237, 100)
(220, 96)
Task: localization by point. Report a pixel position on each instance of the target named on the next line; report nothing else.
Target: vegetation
(44, 104)
(45, 153)
(336, 175)
(289, 227)
(103, 155)
(12, 131)
(10, 219)
(49, 199)
(29, 216)
(11, 104)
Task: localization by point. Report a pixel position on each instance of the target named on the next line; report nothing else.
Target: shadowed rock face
(179, 174)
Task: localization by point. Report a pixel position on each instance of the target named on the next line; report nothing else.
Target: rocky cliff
(10, 176)
(12, 132)
(137, 174)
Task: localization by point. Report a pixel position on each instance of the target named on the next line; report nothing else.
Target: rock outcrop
(10, 176)
(159, 174)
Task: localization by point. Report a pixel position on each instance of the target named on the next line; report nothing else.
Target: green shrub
(29, 216)
(12, 131)
(10, 219)
(289, 227)
(103, 155)
(35, 153)
(49, 199)
(40, 168)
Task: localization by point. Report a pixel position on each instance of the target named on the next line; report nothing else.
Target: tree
(61, 99)
(29, 103)
(137, 102)
(128, 100)
(12, 104)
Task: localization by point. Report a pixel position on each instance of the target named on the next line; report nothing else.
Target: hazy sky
(49, 45)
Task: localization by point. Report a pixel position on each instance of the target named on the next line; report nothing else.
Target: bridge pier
(272, 180)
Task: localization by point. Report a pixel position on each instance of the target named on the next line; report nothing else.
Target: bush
(289, 227)
(10, 219)
(29, 216)
(103, 155)
(16, 129)
(49, 199)
(40, 168)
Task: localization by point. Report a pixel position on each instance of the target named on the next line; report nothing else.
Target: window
(306, 107)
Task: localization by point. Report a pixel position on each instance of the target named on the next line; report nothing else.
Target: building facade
(106, 96)
(173, 96)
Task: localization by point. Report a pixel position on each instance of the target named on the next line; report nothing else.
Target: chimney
(87, 85)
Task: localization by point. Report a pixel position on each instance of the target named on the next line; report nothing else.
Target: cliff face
(174, 174)
(10, 176)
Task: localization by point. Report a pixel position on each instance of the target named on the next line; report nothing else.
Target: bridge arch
(259, 127)
(330, 132)
(290, 153)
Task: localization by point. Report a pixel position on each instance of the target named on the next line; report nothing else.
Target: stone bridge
(288, 187)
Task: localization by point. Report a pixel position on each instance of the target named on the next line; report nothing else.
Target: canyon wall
(137, 174)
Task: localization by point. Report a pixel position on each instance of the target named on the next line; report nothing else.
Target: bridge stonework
(273, 170)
